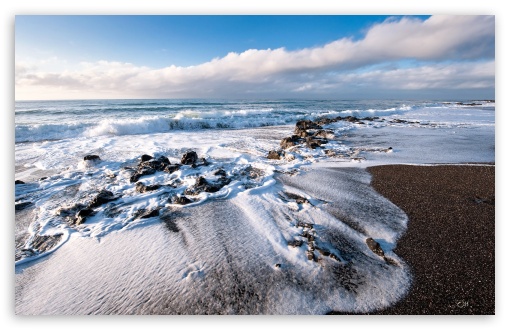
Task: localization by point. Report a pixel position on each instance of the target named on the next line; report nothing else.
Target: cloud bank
(440, 53)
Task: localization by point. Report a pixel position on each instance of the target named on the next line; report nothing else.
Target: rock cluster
(202, 185)
(375, 247)
(149, 165)
(311, 134)
(313, 250)
(77, 214)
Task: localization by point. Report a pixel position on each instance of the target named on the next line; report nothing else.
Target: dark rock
(171, 168)
(19, 182)
(146, 171)
(297, 198)
(141, 172)
(155, 164)
(91, 157)
(181, 200)
(220, 172)
(278, 265)
(351, 119)
(322, 133)
(300, 132)
(141, 188)
(295, 243)
(334, 257)
(312, 143)
(390, 261)
(326, 121)
(103, 197)
(398, 121)
(200, 162)
(310, 255)
(189, 158)
(135, 177)
(273, 154)
(252, 172)
(149, 214)
(288, 142)
(203, 161)
(145, 158)
(43, 178)
(82, 215)
(324, 252)
(202, 185)
(72, 210)
(163, 160)
(21, 206)
(307, 124)
(375, 246)
(308, 236)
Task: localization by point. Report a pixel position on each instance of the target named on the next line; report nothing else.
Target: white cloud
(440, 39)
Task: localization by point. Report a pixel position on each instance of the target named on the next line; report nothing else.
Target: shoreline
(448, 246)
(449, 243)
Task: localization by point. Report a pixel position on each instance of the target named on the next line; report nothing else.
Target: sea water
(232, 250)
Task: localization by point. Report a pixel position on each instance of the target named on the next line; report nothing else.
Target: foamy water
(231, 250)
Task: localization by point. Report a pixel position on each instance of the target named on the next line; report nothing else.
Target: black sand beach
(450, 240)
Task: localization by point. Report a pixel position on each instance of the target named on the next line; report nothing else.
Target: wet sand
(450, 240)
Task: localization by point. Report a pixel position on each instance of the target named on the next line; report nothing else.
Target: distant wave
(189, 119)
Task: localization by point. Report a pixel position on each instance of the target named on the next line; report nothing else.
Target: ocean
(224, 230)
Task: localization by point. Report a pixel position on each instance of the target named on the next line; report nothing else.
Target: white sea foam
(220, 258)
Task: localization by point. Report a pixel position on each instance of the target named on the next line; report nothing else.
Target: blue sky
(159, 41)
(273, 56)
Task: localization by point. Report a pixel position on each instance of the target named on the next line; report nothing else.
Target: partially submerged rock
(375, 246)
(181, 200)
(149, 165)
(295, 243)
(144, 158)
(92, 157)
(141, 188)
(172, 168)
(289, 142)
(145, 214)
(297, 198)
(21, 206)
(221, 172)
(19, 182)
(323, 133)
(307, 124)
(189, 158)
(202, 185)
(142, 172)
(103, 197)
(82, 215)
(273, 154)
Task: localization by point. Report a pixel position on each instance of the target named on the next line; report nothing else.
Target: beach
(449, 242)
(186, 207)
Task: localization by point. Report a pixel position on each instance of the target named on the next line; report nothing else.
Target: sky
(254, 56)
